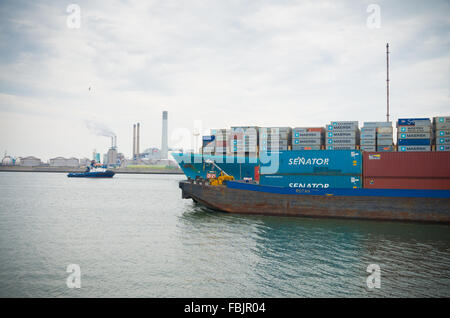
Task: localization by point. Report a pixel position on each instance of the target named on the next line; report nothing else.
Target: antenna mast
(387, 81)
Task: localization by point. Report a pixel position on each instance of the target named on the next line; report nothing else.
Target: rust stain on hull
(374, 208)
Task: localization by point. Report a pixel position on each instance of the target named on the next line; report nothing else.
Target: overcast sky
(221, 62)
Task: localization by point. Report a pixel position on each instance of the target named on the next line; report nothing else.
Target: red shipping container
(407, 183)
(407, 164)
(316, 129)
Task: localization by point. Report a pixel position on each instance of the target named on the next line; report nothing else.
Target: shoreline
(76, 169)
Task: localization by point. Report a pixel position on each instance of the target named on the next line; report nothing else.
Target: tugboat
(95, 170)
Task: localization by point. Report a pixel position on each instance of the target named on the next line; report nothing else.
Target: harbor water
(133, 236)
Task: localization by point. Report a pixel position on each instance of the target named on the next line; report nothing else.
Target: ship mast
(387, 82)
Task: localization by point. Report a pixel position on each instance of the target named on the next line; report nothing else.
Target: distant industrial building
(164, 139)
(64, 162)
(8, 161)
(30, 161)
(85, 162)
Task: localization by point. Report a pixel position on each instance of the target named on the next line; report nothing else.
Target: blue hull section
(106, 174)
(392, 193)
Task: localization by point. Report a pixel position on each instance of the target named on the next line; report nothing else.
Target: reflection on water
(133, 236)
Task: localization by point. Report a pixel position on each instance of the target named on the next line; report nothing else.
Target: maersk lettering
(308, 185)
(308, 161)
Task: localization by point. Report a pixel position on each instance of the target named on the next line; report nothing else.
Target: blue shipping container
(311, 181)
(413, 121)
(331, 162)
(414, 142)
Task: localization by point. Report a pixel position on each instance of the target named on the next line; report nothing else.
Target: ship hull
(401, 205)
(105, 174)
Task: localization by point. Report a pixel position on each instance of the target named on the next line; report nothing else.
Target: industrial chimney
(137, 141)
(134, 142)
(164, 146)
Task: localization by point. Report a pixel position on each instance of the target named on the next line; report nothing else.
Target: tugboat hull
(105, 174)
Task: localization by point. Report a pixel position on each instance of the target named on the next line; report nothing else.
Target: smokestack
(134, 141)
(115, 142)
(112, 141)
(164, 146)
(137, 141)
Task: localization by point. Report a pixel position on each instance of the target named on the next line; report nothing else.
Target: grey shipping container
(385, 130)
(378, 124)
(443, 148)
(312, 134)
(338, 141)
(368, 142)
(339, 134)
(443, 141)
(414, 148)
(306, 147)
(368, 130)
(442, 133)
(307, 141)
(368, 148)
(384, 136)
(414, 129)
(441, 122)
(385, 142)
(341, 147)
(368, 136)
(422, 135)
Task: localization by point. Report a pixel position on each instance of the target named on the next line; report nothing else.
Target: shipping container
(281, 142)
(443, 148)
(314, 161)
(414, 129)
(414, 142)
(385, 130)
(407, 183)
(307, 142)
(423, 135)
(414, 122)
(442, 133)
(384, 142)
(385, 136)
(382, 148)
(368, 142)
(378, 124)
(308, 147)
(403, 164)
(368, 136)
(414, 148)
(341, 147)
(311, 181)
(342, 128)
(368, 148)
(442, 141)
(312, 134)
(368, 130)
(308, 129)
(341, 134)
(441, 122)
(340, 141)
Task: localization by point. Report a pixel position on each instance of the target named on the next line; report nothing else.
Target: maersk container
(443, 148)
(414, 142)
(340, 141)
(306, 147)
(273, 148)
(311, 181)
(441, 122)
(442, 141)
(313, 161)
(414, 122)
(281, 142)
(414, 148)
(413, 165)
(342, 128)
(312, 134)
(341, 147)
(424, 135)
(307, 141)
(368, 142)
(442, 133)
(414, 129)
(341, 134)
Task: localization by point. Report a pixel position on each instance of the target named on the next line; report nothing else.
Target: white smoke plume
(99, 129)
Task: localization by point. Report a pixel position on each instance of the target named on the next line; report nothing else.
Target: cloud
(226, 63)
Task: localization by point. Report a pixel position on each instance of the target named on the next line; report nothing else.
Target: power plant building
(30, 161)
(64, 162)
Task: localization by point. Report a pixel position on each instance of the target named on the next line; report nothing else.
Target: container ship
(339, 170)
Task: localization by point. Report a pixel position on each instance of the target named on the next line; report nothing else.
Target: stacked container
(414, 134)
(208, 145)
(400, 170)
(220, 140)
(308, 138)
(377, 136)
(274, 138)
(441, 128)
(342, 135)
(324, 169)
(244, 140)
